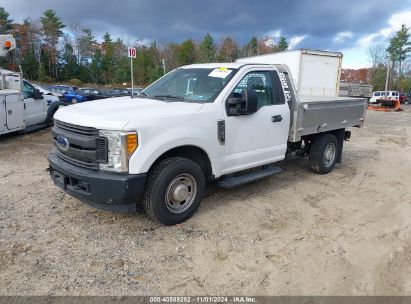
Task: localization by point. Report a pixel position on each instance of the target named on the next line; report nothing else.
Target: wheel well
(194, 153)
(338, 133)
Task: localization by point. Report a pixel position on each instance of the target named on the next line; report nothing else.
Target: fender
(52, 109)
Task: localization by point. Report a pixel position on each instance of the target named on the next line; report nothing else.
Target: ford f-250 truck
(227, 123)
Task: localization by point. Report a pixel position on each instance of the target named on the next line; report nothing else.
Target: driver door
(259, 138)
(35, 110)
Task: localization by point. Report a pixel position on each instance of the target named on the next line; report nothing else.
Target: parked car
(41, 89)
(118, 92)
(384, 95)
(404, 98)
(73, 97)
(92, 94)
(136, 90)
(59, 90)
(47, 95)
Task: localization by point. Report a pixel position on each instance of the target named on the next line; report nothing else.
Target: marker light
(131, 143)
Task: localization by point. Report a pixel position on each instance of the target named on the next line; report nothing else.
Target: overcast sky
(351, 26)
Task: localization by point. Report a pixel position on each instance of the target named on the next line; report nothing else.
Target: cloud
(294, 41)
(177, 20)
(356, 56)
(394, 24)
(342, 36)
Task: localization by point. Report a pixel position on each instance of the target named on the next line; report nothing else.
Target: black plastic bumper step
(234, 181)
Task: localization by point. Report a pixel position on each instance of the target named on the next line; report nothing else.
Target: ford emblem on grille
(63, 143)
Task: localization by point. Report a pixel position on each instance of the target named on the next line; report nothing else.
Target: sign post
(132, 53)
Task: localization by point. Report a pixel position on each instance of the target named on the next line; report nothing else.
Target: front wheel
(73, 101)
(323, 153)
(174, 190)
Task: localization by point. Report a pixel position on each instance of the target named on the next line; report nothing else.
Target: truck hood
(116, 113)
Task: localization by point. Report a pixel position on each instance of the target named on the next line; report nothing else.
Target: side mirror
(244, 105)
(37, 94)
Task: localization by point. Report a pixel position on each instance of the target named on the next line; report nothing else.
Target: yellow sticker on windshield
(220, 73)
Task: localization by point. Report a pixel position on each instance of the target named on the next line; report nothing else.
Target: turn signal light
(132, 143)
(7, 44)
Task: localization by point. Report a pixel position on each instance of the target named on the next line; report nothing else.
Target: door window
(27, 90)
(266, 85)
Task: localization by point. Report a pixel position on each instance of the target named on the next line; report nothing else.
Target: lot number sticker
(132, 52)
(220, 73)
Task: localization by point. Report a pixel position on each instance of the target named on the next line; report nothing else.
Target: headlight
(121, 145)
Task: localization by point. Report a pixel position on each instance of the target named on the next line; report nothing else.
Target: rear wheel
(174, 190)
(323, 153)
(74, 101)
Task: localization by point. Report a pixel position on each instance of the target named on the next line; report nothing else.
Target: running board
(230, 182)
(34, 128)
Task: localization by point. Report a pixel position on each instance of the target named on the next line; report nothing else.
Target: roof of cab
(228, 65)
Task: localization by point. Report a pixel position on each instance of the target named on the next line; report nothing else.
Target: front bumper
(107, 191)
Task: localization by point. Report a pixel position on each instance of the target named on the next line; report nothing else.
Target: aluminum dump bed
(316, 114)
(322, 114)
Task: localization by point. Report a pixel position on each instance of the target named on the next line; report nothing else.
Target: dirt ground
(296, 233)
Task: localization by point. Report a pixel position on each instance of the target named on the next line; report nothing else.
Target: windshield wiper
(169, 97)
(142, 94)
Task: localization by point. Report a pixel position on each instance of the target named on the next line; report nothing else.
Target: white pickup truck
(22, 106)
(223, 122)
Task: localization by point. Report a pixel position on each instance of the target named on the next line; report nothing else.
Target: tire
(323, 153)
(73, 101)
(174, 190)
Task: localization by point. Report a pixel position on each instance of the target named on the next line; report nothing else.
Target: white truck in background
(222, 122)
(22, 106)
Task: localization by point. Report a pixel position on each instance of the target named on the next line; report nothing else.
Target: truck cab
(22, 106)
(227, 123)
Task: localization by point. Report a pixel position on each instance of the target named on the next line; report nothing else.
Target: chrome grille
(86, 148)
(76, 129)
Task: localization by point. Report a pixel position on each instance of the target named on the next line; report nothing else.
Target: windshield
(192, 85)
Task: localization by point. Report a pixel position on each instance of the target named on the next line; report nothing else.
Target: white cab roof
(228, 65)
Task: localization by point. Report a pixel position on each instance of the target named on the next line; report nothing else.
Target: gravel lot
(296, 233)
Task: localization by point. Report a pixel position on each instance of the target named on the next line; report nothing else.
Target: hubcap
(329, 154)
(181, 193)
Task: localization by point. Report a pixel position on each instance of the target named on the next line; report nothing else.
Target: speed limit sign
(132, 52)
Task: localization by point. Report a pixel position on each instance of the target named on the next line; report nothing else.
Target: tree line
(50, 51)
(392, 55)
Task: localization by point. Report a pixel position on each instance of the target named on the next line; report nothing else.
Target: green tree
(207, 49)
(377, 77)
(252, 47)
(86, 45)
(282, 44)
(52, 31)
(30, 65)
(187, 52)
(70, 68)
(399, 47)
(95, 67)
(108, 63)
(5, 22)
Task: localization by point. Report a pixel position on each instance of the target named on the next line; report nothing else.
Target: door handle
(276, 118)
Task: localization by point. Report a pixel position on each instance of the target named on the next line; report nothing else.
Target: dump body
(315, 73)
(316, 114)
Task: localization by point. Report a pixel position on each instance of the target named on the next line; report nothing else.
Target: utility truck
(223, 122)
(22, 106)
